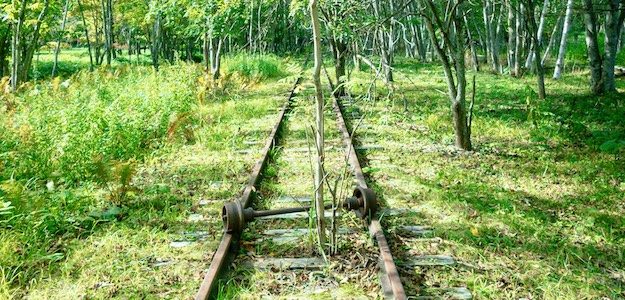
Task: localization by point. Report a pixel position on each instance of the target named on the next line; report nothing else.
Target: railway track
(239, 214)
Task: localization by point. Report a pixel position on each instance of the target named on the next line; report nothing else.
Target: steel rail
(391, 282)
(229, 240)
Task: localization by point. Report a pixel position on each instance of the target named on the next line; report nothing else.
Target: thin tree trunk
(474, 59)
(497, 38)
(215, 55)
(33, 44)
(26, 49)
(512, 35)
(487, 24)
(319, 173)
(613, 23)
(355, 53)
(551, 40)
(111, 36)
(557, 73)
(206, 52)
(385, 40)
(390, 35)
(520, 20)
(451, 53)
(258, 43)
(156, 37)
(107, 46)
(16, 47)
(84, 24)
(592, 46)
(532, 26)
(541, 29)
(58, 41)
(4, 48)
(97, 40)
(340, 54)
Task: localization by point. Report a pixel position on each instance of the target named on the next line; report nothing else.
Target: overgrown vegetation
(71, 149)
(533, 212)
(255, 67)
(124, 126)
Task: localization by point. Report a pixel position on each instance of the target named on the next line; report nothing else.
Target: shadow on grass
(546, 228)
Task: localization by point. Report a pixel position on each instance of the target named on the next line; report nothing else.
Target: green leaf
(612, 146)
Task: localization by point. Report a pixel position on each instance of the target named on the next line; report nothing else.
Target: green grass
(100, 171)
(535, 211)
(254, 67)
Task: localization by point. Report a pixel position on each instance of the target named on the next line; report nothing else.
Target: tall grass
(69, 149)
(60, 141)
(63, 130)
(255, 67)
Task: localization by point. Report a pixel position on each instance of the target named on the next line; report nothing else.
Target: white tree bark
(511, 36)
(551, 40)
(58, 41)
(557, 73)
(16, 47)
(520, 20)
(319, 174)
(541, 29)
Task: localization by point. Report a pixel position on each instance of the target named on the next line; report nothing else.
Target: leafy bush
(255, 67)
(67, 131)
(63, 143)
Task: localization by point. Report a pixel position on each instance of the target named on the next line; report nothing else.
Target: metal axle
(235, 216)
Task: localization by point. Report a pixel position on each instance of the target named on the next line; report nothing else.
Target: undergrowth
(70, 148)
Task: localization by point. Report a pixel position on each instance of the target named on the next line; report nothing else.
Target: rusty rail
(391, 283)
(229, 240)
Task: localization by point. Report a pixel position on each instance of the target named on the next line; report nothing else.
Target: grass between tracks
(101, 173)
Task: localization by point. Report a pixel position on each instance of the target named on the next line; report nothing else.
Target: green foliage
(116, 147)
(613, 146)
(70, 131)
(255, 67)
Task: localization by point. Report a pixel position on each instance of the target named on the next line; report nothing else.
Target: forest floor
(534, 212)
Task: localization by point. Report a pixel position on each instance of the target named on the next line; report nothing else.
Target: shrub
(65, 131)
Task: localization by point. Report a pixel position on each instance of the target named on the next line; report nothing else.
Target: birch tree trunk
(613, 24)
(474, 59)
(97, 40)
(552, 39)
(451, 53)
(156, 38)
(520, 20)
(58, 41)
(385, 42)
(215, 56)
(84, 24)
(557, 73)
(319, 173)
(491, 31)
(533, 30)
(16, 47)
(107, 14)
(541, 29)
(512, 34)
(33, 44)
(592, 47)
(497, 38)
